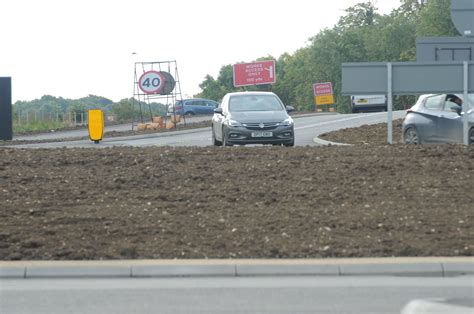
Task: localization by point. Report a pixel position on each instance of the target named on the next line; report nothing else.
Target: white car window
(450, 104)
(470, 97)
(435, 102)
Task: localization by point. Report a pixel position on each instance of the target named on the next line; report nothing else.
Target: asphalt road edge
(429, 266)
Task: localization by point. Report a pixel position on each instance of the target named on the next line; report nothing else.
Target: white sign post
(465, 105)
(389, 104)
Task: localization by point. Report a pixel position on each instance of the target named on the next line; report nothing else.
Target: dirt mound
(375, 134)
(252, 202)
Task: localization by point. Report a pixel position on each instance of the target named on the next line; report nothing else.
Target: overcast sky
(75, 48)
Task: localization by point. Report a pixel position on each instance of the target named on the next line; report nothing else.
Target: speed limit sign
(151, 82)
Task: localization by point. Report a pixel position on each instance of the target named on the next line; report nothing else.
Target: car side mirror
(456, 109)
(218, 110)
(290, 109)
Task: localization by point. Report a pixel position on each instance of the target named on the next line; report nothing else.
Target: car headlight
(287, 121)
(231, 122)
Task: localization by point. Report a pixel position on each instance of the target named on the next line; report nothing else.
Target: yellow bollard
(96, 125)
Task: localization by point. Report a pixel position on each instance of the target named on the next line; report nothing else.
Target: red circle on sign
(151, 82)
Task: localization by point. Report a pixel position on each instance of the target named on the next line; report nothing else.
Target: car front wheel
(471, 136)
(411, 137)
(215, 142)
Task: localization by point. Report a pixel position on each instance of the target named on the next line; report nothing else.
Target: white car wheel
(411, 137)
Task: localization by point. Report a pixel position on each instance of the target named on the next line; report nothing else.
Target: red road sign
(255, 73)
(151, 82)
(321, 89)
(323, 93)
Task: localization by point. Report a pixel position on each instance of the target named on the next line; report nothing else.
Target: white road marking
(340, 120)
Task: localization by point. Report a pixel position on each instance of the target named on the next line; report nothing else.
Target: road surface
(84, 132)
(227, 295)
(306, 129)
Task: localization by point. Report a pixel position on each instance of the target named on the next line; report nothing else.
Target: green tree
(435, 19)
(216, 89)
(226, 79)
(362, 14)
(124, 110)
(210, 89)
(361, 35)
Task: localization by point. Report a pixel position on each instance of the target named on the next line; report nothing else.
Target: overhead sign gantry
(444, 65)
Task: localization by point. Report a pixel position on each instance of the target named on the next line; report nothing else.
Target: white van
(360, 103)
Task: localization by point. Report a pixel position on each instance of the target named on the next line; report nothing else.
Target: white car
(360, 103)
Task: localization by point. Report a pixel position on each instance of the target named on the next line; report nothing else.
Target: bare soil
(237, 202)
(375, 134)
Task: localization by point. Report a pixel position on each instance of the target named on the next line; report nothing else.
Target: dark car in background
(438, 118)
(252, 118)
(193, 106)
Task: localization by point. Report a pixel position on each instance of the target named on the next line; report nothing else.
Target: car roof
(457, 94)
(197, 99)
(250, 93)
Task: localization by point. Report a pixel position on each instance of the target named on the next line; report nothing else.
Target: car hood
(423, 111)
(258, 116)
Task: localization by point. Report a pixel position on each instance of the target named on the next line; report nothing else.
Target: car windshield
(470, 97)
(242, 103)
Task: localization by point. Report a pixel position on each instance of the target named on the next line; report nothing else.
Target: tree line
(126, 109)
(360, 35)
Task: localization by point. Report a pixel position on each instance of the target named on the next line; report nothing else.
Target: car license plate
(362, 101)
(262, 134)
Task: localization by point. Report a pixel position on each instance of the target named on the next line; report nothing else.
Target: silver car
(252, 118)
(438, 118)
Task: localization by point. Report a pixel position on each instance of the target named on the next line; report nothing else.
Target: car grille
(258, 126)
